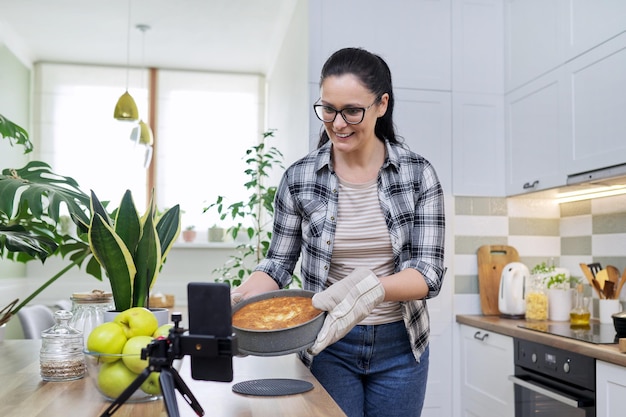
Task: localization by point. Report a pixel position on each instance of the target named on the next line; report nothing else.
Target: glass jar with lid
(88, 310)
(61, 357)
(537, 299)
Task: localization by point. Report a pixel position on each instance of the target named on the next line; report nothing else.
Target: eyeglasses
(352, 115)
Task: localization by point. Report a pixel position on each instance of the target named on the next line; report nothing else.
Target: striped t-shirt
(362, 240)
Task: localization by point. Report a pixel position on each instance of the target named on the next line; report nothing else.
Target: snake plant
(132, 249)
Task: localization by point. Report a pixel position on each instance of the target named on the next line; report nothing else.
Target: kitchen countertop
(510, 327)
(23, 393)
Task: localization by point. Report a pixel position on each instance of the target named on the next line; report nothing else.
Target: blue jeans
(372, 372)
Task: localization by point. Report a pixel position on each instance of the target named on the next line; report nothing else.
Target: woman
(367, 215)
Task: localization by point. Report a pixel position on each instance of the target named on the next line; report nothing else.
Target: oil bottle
(579, 316)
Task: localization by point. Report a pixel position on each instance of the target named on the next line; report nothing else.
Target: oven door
(539, 396)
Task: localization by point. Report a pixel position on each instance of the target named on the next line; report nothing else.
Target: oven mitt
(347, 302)
(235, 298)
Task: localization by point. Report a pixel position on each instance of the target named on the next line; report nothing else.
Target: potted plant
(189, 234)
(132, 248)
(216, 233)
(558, 283)
(252, 217)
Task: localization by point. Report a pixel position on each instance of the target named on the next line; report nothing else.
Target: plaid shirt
(412, 202)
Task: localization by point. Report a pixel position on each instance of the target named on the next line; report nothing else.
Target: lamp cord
(128, 46)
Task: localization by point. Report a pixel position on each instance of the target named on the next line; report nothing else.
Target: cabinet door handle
(478, 336)
(531, 185)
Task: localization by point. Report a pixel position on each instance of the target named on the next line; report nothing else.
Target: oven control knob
(533, 357)
(566, 367)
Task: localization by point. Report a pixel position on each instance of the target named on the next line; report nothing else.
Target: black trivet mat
(272, 387)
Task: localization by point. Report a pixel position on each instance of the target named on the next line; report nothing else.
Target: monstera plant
(31, 198)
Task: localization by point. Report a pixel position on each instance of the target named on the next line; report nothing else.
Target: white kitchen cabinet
(536, 134)
(535, 38)
(486, 363)
(610, 389)
(477, 155)
(412, 36)
(423, 119)
(597, 105)
(477, 98)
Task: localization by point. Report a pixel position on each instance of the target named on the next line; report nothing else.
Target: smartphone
(210, 315)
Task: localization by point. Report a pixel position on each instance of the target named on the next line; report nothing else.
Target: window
(206, 121)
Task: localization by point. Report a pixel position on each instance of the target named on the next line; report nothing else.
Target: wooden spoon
(613, 274)
(602, 276)
(609, 289)
(598, 288)
(621, 284)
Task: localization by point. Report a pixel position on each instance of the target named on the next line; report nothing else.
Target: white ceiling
(217, 35)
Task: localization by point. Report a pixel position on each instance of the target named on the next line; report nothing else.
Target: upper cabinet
(597, 107)
(564, 100)
(477, 98)
(534, 39)
(412, 36)
(534, 135)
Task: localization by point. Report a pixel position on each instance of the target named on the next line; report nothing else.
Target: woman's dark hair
(375, 75)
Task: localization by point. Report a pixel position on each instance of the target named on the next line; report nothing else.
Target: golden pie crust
(275, 313)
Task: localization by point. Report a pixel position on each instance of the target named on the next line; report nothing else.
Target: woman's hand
(257, 283)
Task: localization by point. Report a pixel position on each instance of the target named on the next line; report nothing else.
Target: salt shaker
(61, 357)
(88, 310)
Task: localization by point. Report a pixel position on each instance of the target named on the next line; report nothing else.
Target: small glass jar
(88, 310)
(61, 357)
(536, 300)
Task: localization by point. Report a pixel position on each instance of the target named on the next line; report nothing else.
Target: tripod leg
(186, 393)
(125, 395)
(169, 394)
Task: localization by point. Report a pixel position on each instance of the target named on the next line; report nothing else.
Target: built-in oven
(551, 382)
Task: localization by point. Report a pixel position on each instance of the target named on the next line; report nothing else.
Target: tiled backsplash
(540, 229)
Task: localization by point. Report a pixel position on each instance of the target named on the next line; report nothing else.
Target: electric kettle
(512, 293)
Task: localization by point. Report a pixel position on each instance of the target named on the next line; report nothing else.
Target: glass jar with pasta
(536, 300)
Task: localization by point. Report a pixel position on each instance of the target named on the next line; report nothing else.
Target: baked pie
(275, 313)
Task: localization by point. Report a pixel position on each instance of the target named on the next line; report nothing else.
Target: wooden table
(23, 393)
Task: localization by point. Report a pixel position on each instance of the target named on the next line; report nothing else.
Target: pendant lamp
(142, 134)
(126, 108)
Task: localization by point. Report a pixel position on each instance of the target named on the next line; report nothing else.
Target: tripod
(161, 354)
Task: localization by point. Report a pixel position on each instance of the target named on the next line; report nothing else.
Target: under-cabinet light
(588, 194)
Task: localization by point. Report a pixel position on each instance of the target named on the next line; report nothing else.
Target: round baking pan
(282, 341)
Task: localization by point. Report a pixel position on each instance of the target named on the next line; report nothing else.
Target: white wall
(288, 103)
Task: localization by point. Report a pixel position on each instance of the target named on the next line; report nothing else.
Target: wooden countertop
(23, 393)
(605, 352)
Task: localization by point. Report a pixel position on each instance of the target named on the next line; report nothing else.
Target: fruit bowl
(112, 374)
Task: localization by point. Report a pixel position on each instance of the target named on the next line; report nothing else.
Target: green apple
(114, 378)
(163, 331)
(107, 338)
(137, 321)
(133, 347)
(152, 385)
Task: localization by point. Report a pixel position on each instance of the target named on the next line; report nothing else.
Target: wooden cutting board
(491, 260)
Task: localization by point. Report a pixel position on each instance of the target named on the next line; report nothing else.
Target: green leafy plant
(132, 249)
(253, 216)
(30, 212)
(551, 278)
